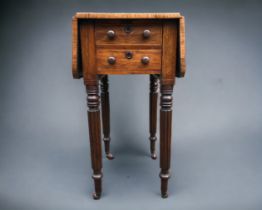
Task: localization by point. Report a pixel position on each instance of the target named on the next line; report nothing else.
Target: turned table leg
(95, 137)
(165, 136)
(106, 115)
(153, 114)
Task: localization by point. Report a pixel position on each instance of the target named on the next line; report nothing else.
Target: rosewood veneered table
(128, 43)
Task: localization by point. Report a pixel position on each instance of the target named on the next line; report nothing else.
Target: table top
(93, 15)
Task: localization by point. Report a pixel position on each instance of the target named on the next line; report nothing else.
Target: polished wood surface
(93, 15)
(79, 18)
(105, 104)
(153, 95)
(77, 71)
(181, 54)
(123, 65)
(165, 135)
(95, 137)
(128, 43)
(134, 35)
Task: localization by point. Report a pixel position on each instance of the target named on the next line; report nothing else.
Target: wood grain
(87, 34)
(105, 104)
(166, 50)
(95, 137)
(135, 36)
(169, 52)
(181, 57)
(128, 66)
(91, 15)
(153, 95)
(165, 135)
(119, 18)
(76, 57)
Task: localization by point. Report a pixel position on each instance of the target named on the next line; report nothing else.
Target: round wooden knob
(145, 60)
(111, 60)
(146, 34)
(111, 34)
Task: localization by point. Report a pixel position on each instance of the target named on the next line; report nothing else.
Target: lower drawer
(124, 61)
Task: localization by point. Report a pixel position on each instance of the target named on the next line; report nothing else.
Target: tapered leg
(165, 136)
(153, 114)
(106, 115)
(95, 137)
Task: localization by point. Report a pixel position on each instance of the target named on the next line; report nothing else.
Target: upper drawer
(139, 32)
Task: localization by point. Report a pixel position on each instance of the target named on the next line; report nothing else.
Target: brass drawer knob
(145, 60)
(146, 34)
(111, 34)
(111, 60)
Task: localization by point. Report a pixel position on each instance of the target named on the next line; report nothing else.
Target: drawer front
(122, 61)
(123, 33)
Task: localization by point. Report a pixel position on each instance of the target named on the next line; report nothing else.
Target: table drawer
(115, 61)
(128, 32)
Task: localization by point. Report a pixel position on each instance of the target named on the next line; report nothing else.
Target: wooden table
(128, 43)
